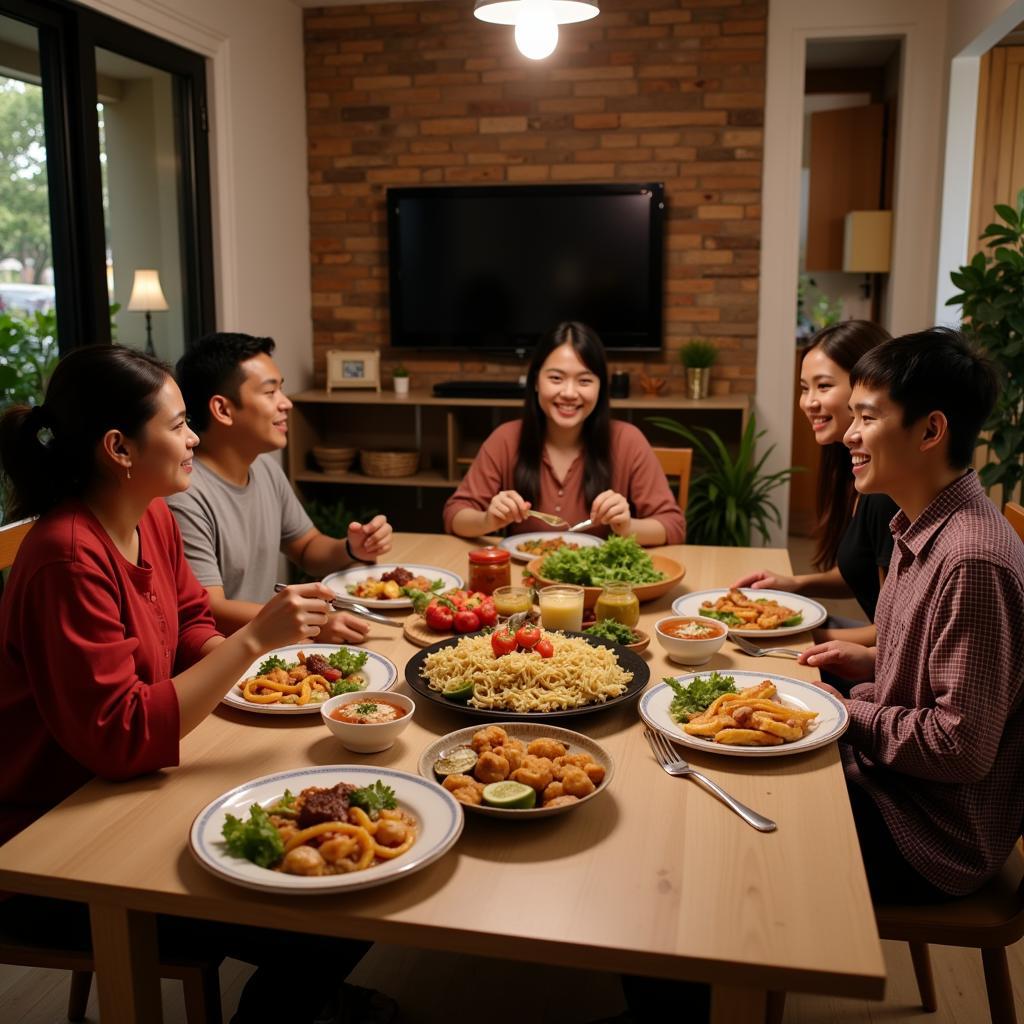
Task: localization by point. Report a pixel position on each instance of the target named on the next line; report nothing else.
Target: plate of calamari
(296, 680)
(581, 674)
(518, 769)
(744, 714)
(754, 613)
(325, 829)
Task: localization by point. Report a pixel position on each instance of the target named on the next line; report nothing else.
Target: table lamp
(147, 297)
(867, 242)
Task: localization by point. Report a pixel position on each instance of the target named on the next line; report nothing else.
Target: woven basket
(389, 463)
(333, 460)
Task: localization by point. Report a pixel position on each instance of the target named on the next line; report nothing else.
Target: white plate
(576, 743)
(830, 724)
(339, 582)
(814, 613)
(438, 813)
(511, 543)
(380, 673)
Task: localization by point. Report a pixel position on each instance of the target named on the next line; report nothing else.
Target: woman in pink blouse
(567, 456)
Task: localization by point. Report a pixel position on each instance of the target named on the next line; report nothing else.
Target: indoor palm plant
(992, 298)
(729, 497)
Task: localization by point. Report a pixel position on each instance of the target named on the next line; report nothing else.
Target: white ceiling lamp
(536, 21)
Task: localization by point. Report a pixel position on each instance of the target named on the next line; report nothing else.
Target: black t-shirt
(866, 545)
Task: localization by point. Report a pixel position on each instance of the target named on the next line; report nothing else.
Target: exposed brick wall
(423, 93)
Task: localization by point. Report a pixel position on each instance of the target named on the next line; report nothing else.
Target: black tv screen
(493, 268)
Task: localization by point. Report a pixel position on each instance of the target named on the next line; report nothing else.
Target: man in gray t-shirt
(240, 510)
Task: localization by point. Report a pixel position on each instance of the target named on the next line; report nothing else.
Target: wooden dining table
(654, 877)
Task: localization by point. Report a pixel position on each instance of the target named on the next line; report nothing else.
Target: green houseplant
(400, 378)
(698, 356)
(729, 497)
(28, 355)
(992, 298)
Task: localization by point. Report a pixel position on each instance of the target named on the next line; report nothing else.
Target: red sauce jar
(489, 568)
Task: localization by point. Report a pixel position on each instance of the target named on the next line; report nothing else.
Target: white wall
(921, 24)
(256, 87)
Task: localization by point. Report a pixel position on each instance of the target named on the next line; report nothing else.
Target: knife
(341, 604)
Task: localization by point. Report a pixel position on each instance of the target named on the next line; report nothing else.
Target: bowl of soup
(690, 639)
(367, 722)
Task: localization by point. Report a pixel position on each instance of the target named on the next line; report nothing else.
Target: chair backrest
(11, 536)
(1015, 514)
(677, 462)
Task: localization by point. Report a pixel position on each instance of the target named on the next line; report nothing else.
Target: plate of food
(518, 769)
(613, 631)
(744, 714)
(388, 586)
(524, 547)
(616, 559)
(754, 613)
(296, 680)
(571, 674)
(325, 829)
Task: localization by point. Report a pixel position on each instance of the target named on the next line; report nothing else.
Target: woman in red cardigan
(108, 652)
(567, 456)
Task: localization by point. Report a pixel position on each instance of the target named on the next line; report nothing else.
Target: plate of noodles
(754, 613)
(524, 547)
(406, 823)
(583, 675)
(278, 690)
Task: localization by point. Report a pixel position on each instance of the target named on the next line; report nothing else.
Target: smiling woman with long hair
(567, 456)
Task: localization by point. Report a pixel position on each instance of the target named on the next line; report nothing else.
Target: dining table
(653, 877)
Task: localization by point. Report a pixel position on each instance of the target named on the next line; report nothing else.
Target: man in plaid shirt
(934, 754)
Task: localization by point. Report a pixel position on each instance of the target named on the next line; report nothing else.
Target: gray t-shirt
(232, 534)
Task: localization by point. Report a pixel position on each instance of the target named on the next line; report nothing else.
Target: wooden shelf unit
(436, 427)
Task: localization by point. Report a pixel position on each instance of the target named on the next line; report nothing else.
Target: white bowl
(371, 737)
(689, 652)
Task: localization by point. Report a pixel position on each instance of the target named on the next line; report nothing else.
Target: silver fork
(759, 652)
(669, 759)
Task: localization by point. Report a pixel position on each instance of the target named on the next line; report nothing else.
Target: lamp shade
(867, 241)
(507, 12)
(147, 295)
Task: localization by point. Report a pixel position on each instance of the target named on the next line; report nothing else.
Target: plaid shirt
(937, 740)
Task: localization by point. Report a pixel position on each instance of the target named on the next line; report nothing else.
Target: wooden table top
(653, 877)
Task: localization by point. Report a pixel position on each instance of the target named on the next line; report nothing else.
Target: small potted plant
(698, 356)
(401, 378)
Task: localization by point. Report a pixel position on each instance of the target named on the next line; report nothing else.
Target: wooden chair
(1015, 514)
(677, 462)
(200, 978)
(990, 920)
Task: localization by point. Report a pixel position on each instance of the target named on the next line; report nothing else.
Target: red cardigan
(88, 645)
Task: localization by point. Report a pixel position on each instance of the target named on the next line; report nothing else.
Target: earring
(129, 471)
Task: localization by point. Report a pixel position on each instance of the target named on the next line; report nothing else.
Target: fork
(341, 604)
(547, 517)
(759, 652)
(669, 759)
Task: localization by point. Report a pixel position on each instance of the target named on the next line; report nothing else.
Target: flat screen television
(492, 268)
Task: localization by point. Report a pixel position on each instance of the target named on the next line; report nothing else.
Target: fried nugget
(491, 767)
(536, 772)
(560, 801)
(544, 747)
(485, 739)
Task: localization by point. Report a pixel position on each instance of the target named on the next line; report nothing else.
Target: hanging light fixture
(536, 21)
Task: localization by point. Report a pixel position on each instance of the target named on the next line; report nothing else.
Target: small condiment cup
(367, 737)
(690, 651)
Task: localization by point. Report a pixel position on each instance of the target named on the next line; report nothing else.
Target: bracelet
(353, 556)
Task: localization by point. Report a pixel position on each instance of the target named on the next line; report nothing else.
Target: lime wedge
(510, 795)
(459, 691)
(460, 761)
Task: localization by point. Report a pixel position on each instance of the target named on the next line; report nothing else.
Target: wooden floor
(432, 987)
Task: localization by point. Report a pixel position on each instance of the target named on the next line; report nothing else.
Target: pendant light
(536, 21)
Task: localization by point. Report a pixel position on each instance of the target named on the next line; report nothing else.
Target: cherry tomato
(439, 617)
(488, 613)
(466, 621)
(544, 647)
(331, 674)
(527, 636)
(502, 642)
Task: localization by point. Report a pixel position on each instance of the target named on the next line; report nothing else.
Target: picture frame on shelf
(349, 369)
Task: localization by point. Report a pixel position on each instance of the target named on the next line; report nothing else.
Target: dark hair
(49, 451)
(844, 343)
(597, 473)
(937, 369)
(212, 366)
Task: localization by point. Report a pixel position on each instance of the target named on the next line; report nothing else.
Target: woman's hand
(506, 507)
(294, 614)
(846, 660)
(367, 542)
(344, 628)
(764, 580)
(611, 509)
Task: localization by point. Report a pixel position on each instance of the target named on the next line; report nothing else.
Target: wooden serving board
(416, 631)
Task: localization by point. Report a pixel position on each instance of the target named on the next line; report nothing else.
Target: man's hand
(846, 660)
(343, 628)
(822, 685)
(367, 542)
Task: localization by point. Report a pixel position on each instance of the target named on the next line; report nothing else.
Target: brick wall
(651, 90)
